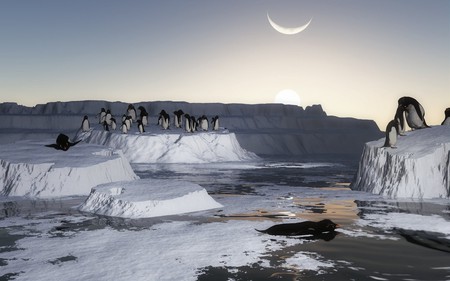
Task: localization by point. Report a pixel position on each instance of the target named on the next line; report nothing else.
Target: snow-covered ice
(172, 147)
(418, 168)
(29, 168)
(148, 198)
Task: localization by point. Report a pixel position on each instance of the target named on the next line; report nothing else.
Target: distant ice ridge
(28, 168)
(418, 168)
(177, 147)
(148, 198)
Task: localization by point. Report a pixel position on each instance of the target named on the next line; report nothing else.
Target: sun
(287, 96)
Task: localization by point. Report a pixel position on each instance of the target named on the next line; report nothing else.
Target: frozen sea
(379, 238)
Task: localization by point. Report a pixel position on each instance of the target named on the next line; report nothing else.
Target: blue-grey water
(413, 255)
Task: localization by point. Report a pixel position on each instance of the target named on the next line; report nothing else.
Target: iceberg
(148, 198)
(172, 147)
(29, 168)
(418, 168)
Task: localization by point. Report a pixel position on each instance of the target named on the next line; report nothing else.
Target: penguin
(102, 116)
(124, 128)
(62, 143)
(193, 124)
(144, 115)
(124, 117)
(106, 126)
(414, 112)
(447, 117)
(187, 124)
(178, 118)
(203, 123)
(400, 118)
(301, 228)
(215, 123)
(140, 126)
(85, 126)
(131, 111)
(165, 120)
(113, 124)
(128, 122)
(108, 117)
(392, 130)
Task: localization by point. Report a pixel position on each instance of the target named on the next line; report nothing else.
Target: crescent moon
(287, 30)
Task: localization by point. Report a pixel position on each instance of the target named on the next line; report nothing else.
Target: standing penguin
(128, 122)
(85, 126)
(165, 120)
(447, 117)
(124, 128)
(187, 124)
(131, 111)
(194, 124)
(144, 115)
(140, 126)
(108, 117)
(203, 122)
(215, 123)
(400, 118)
(178, 118)
(392, 130)
(102, 116)
(414, 112)
(113, 124)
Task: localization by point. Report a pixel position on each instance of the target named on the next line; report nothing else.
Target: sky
(356, 57)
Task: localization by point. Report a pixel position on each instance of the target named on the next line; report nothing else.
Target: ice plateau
(418, 168)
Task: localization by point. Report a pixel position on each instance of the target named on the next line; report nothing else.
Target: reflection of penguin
(414, 112)
(144, 115)
(447, 117)
(85, 126)
(302, 228)
(140, 126)
(178, 118)
(124, 128)
(62, 143)
(426, 239)
(392, 130)
(215, 123)
(102, 116)
(113, 124)
(203, 123)
(131, 112)
(187, 124)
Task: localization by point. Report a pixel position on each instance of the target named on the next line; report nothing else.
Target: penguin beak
(338, 225)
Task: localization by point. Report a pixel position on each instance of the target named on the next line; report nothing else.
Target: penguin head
(447, 112)
(327, 225)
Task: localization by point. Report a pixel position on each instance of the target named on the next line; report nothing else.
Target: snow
(418, 168)
(173, 147)
(29, 168)
(147, 198)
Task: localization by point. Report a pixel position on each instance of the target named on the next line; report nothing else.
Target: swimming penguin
(392, 130)
(203, 123)
(128, 122)
(124, 128)
(108, 117)
(102, 116)
(140, 126)
(131, 111)
(187, 124)
(447, 117)
(301, 228)
(113, 124)
(215, 123)
(414, 112)
(85, 126)
(144, 115)
(178, 118)
(62, 143)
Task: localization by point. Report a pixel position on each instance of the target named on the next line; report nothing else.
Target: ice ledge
(148, 198)
(28, 168)
(173, 147)
(418, 168)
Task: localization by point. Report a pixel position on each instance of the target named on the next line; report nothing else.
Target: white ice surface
(172, 147)
(29, 168)
(148, 198)
(418, 168)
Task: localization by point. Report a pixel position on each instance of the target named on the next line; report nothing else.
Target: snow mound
(173, 147)
(148, 198)
(418, 168)
(28, 168)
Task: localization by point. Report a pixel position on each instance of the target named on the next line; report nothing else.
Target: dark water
(414, 255)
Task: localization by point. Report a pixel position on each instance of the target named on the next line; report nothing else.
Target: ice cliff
(265, 129)
(28, 168)
(418, 168)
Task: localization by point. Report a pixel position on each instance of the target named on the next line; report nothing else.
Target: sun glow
(287, 96)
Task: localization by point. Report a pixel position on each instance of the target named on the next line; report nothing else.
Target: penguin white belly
(165, 123)
(188, 127)
(204, 125)
(85, 126)
(392, 137)
(216, 125)
(124, 129)
(412, 118)
(144, 120)
(113, 125)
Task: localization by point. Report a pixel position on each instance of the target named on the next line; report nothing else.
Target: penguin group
(412, 111)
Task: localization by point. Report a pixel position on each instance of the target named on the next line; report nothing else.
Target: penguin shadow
(62, 143)
(425, 239)
(307, 230)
